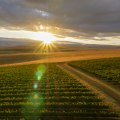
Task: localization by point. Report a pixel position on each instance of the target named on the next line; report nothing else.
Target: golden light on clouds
(49, 37)
(46, 37)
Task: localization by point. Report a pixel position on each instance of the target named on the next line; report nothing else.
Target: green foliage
(106, 69)
(58, 95)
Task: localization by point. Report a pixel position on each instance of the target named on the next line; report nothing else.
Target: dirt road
(107, 92)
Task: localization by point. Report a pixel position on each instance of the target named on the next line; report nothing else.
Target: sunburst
(47, 42)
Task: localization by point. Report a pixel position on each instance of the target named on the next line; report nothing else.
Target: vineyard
(46, 92)
(106, 69)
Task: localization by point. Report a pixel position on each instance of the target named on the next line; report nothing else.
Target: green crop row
(53, 93)
(106, 69)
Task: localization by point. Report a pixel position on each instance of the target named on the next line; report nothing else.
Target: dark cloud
(85, 17)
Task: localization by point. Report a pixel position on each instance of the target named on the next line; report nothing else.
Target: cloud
(87, 18)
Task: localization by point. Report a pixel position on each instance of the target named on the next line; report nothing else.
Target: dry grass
(55, 57)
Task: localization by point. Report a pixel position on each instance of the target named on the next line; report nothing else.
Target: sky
(86, 21)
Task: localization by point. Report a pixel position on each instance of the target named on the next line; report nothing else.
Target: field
(59, 60)
(106, 69)
(47, 92)
(35, 58)
(33, 85)
(17, 58)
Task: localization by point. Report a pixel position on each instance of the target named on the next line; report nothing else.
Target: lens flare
(40, 72)
(35, 104)
(42, 68)
(35, 86)
(36, 96)
(39, 75)
(37, 100)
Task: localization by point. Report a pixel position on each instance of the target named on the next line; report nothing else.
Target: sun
(47, 40)
(46, 37)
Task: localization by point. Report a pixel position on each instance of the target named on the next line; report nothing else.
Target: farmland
(34, 58)
(59, 60)
(106, 69)
(17, 58)
(47, 92)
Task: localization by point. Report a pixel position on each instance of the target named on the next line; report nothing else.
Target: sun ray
(47, 42)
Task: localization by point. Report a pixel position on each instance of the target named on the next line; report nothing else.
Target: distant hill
(10, 42)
